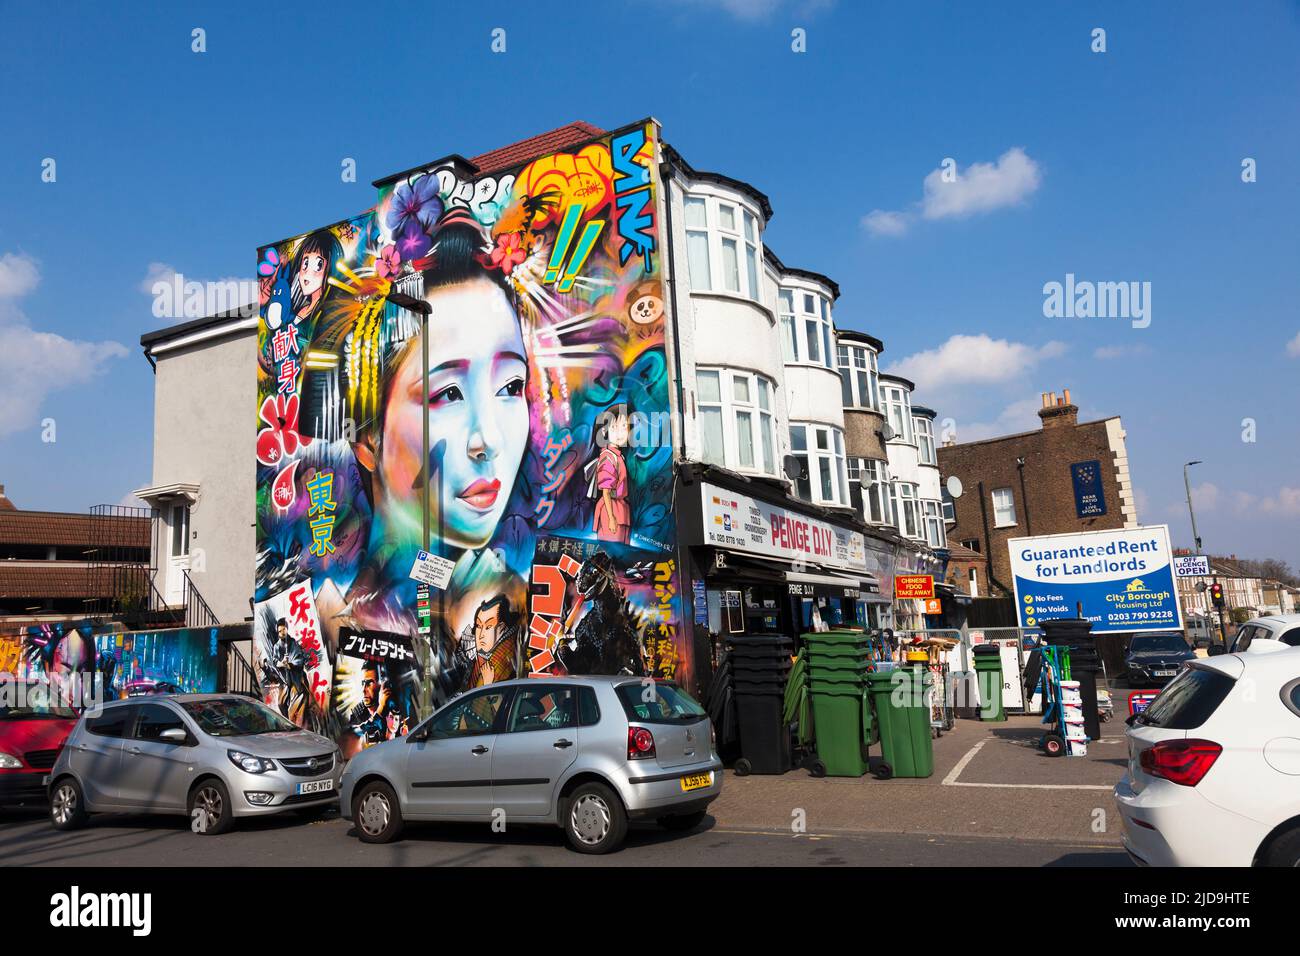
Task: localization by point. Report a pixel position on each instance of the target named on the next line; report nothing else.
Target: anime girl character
(607, 473)
(477, 409)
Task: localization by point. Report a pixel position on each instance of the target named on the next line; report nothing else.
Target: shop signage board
(913, 585)
(1191, 566)
(1089, 497)
(733, 520)
(1122, 577)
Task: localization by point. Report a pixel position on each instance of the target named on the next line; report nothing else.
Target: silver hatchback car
(213, 757)
(585, 753)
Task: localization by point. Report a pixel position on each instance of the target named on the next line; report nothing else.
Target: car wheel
(67, 805)
(682, 821)
(594, 819)
(211, 812)
(1285, 850)
(377, 813)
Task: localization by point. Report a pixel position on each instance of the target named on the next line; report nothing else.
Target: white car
(1284, 628)
(1214, 765)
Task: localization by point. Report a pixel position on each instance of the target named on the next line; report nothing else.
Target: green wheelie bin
(902, 715)
(838, 663)
(988, 675)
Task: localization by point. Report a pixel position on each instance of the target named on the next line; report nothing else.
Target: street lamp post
(1196, 541)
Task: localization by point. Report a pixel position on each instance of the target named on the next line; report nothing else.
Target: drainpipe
(988, 544)
(1024, 497)
(665, 177)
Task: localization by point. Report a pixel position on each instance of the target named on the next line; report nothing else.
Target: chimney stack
(1058, 411)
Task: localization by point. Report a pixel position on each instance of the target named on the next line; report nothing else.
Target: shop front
(761, 563)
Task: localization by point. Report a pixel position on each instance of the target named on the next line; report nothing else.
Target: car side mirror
(174, 735)
(1131, 719)
(1215, 650)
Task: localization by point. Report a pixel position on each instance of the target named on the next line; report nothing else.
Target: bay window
(737, 422)
(870, 478)
(806, 330)
(859, 376)
(723, 247)
(905, 507)
(925, 440)
(820, 450)
(932, 515)
(898, 411)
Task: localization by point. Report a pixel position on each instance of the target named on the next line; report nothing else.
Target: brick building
(59, 566)
(1066, 477)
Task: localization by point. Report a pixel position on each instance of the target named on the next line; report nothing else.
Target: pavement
(994, 800)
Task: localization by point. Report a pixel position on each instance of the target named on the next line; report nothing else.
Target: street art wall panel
(176, 660)
(546, 478)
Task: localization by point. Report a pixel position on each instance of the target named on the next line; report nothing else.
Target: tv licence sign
(1123, 578)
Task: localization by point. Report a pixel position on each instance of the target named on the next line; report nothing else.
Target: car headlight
(248, 763)
(10, 762)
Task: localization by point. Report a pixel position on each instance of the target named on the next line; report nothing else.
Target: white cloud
(1293, 347)
(1286, 503)
(1107, 352)
(973, 360)
(1019, 416)
(157, 272)
(32, 363)
(18, 275)
(881, 222)
(954, 193)
(982, 187)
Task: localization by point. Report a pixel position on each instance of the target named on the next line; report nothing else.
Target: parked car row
(587, 754)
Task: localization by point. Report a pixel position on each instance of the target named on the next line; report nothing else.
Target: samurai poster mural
(547, 410)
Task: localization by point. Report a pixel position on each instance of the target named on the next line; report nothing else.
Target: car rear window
(655, 702)
(1189, 700)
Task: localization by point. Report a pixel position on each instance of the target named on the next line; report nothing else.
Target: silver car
(212, 757)
(585, 753)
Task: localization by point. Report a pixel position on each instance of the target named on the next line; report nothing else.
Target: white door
(178, 553)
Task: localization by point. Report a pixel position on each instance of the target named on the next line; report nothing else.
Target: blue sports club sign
(1123, 577)
(1089, 498)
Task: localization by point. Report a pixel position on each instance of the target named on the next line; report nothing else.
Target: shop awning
(815, 574)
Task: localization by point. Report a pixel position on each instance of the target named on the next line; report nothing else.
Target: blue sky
(1115, 166)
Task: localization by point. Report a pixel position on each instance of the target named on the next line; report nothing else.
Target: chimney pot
(1067, 396)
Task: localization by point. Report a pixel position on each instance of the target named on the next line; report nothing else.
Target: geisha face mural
(478, 417)
(545, 342)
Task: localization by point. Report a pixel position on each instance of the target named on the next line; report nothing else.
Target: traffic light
(1216, 594)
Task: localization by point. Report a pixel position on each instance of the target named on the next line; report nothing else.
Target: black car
(1154, 657)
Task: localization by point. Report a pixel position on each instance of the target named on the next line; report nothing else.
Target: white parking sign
(1191, 566)
(432, 570)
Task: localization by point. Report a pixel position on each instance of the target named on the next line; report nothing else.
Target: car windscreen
(655, 702)
(236, 718)
(1158, 643)
(1188, 701)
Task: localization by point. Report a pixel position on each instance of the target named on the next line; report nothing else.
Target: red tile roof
(517, 154)
(72, 530)
(52, 580)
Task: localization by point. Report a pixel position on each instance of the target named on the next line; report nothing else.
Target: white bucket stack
(1076, 737)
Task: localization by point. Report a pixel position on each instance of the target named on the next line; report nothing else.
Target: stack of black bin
(758, 671)
(1085, 664)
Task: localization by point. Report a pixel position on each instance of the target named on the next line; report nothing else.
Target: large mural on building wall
(547, 477)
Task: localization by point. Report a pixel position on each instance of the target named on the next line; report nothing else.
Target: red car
(31, 735)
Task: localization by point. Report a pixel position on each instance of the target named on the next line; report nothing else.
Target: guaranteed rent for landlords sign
(1123, 578)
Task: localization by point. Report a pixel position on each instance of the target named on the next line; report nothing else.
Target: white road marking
(952, 781)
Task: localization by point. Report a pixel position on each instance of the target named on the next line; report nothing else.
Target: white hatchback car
(1214, 765)
(1284, 628)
